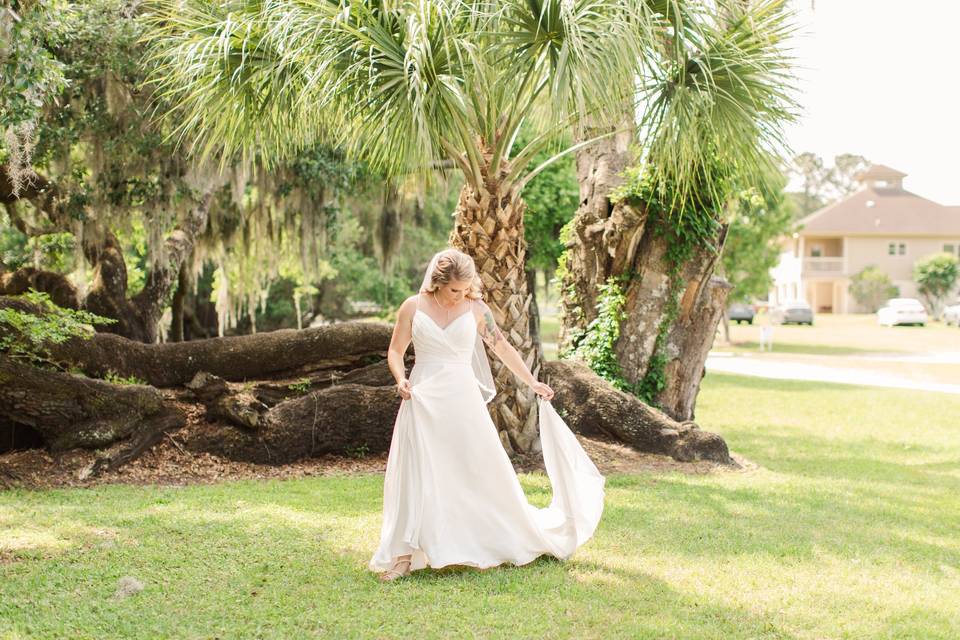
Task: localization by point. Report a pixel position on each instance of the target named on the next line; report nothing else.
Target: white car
(951, 314)
(902, 311)
(792, 312)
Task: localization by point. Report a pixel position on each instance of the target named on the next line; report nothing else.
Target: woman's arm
(402, 334)
(495, 339)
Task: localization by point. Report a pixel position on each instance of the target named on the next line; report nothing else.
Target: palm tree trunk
(489, 227)
(702, 298)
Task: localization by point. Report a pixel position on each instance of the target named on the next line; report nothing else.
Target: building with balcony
(882, 225)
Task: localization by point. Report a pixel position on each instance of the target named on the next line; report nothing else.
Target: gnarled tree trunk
(345, 345)
(598, 227)
(71, 411)
(590, 406)
(614, 240)
(136, 317)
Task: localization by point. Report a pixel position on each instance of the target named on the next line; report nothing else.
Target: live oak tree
(83, 165)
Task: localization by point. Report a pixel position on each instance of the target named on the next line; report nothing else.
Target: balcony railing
(823, 266)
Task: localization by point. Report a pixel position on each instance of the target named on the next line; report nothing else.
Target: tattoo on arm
(490, 332)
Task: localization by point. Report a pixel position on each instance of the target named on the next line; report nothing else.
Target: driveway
(769, 365)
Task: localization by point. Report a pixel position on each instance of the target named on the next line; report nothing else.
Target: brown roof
(880, 172)
(883, 211)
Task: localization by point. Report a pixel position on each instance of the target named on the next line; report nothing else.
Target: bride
(450, 493)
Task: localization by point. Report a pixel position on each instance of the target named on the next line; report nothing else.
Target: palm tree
(404, 84)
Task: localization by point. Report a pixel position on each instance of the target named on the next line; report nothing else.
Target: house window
(892, 249)
(816, 251)
(903, 249)
(948, 248)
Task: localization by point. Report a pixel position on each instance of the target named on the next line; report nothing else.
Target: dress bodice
(453, 343)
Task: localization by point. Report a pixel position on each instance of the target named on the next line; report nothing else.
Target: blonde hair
(455, 265)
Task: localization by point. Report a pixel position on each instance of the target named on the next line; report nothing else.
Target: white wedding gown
(451, 495)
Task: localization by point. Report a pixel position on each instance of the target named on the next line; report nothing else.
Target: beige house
(882, 224)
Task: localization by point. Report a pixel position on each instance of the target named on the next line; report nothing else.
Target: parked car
(792, 311)
(902, 311)
(951, 314)
(740, 312)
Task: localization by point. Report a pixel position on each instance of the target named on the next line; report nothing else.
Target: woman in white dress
(451, 496)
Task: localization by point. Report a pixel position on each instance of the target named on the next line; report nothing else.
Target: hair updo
(455, 265)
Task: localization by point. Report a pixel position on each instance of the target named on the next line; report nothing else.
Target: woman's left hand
(543, 390)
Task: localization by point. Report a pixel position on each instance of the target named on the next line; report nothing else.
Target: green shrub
(29, 336)
(871, 287)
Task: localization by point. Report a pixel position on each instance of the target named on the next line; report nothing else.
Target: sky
(880, 78)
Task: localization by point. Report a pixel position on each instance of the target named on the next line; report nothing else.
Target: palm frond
(728, 97)
(405, 83)
(220, 80)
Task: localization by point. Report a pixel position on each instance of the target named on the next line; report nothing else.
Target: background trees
(820, 184)
(936, 277)
(757, 217)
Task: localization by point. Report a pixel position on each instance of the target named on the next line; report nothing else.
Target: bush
(936, 276)
(871, 287)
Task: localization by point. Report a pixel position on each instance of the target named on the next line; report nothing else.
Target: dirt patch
(169, 463)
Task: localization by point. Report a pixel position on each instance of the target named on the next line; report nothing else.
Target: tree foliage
(757, 217)
(936, 277)
(30, 76)
(551, 200)
(820, 184)
(28, 336)
(871, 287)
(404, 84)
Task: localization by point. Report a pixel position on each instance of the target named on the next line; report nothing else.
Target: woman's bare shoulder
(409, 305)
(479, 307)
(484, 313)
(479, 303)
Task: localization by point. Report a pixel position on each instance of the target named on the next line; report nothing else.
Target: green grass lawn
(800, 348)
(847, 335)
(849, 529)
